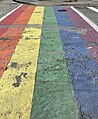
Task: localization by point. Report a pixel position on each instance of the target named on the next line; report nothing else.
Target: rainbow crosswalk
(47, 68)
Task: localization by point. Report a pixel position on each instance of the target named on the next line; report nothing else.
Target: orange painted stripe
(11, 38)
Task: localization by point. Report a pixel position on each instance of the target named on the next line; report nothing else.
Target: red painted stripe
(13, 34)
(90, 36)
(11, 18)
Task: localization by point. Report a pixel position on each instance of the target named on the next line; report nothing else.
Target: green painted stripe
(53, 97)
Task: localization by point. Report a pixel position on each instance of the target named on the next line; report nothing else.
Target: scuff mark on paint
(14, 64)
(19, 66)
(3, 38)
(91, 43)
(24, 75)
(18, 79)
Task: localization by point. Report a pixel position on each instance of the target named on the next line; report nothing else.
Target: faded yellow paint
(15, 102)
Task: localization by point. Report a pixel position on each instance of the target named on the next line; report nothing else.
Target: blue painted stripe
(81, 65)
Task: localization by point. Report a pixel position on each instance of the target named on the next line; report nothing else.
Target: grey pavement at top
(60, 2)
(6, 6)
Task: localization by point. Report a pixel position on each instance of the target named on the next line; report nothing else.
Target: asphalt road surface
(48, 62)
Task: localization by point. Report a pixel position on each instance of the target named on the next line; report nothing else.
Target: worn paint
(90, 36)
(53, 96)
(15, 100)
(82, 67)
(12, 35)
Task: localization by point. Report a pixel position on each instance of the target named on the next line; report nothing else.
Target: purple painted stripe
(89, 35)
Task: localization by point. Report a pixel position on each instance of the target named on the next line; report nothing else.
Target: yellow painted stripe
(15, 102)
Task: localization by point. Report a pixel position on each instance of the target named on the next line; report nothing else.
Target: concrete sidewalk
(58, 2)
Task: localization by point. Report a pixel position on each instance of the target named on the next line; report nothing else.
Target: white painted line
(93, 9)
(2, 18)
(85, 18)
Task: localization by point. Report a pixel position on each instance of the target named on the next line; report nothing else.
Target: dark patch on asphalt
(2, 38)
(62, 10)
(14, 64)
(18, 79)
